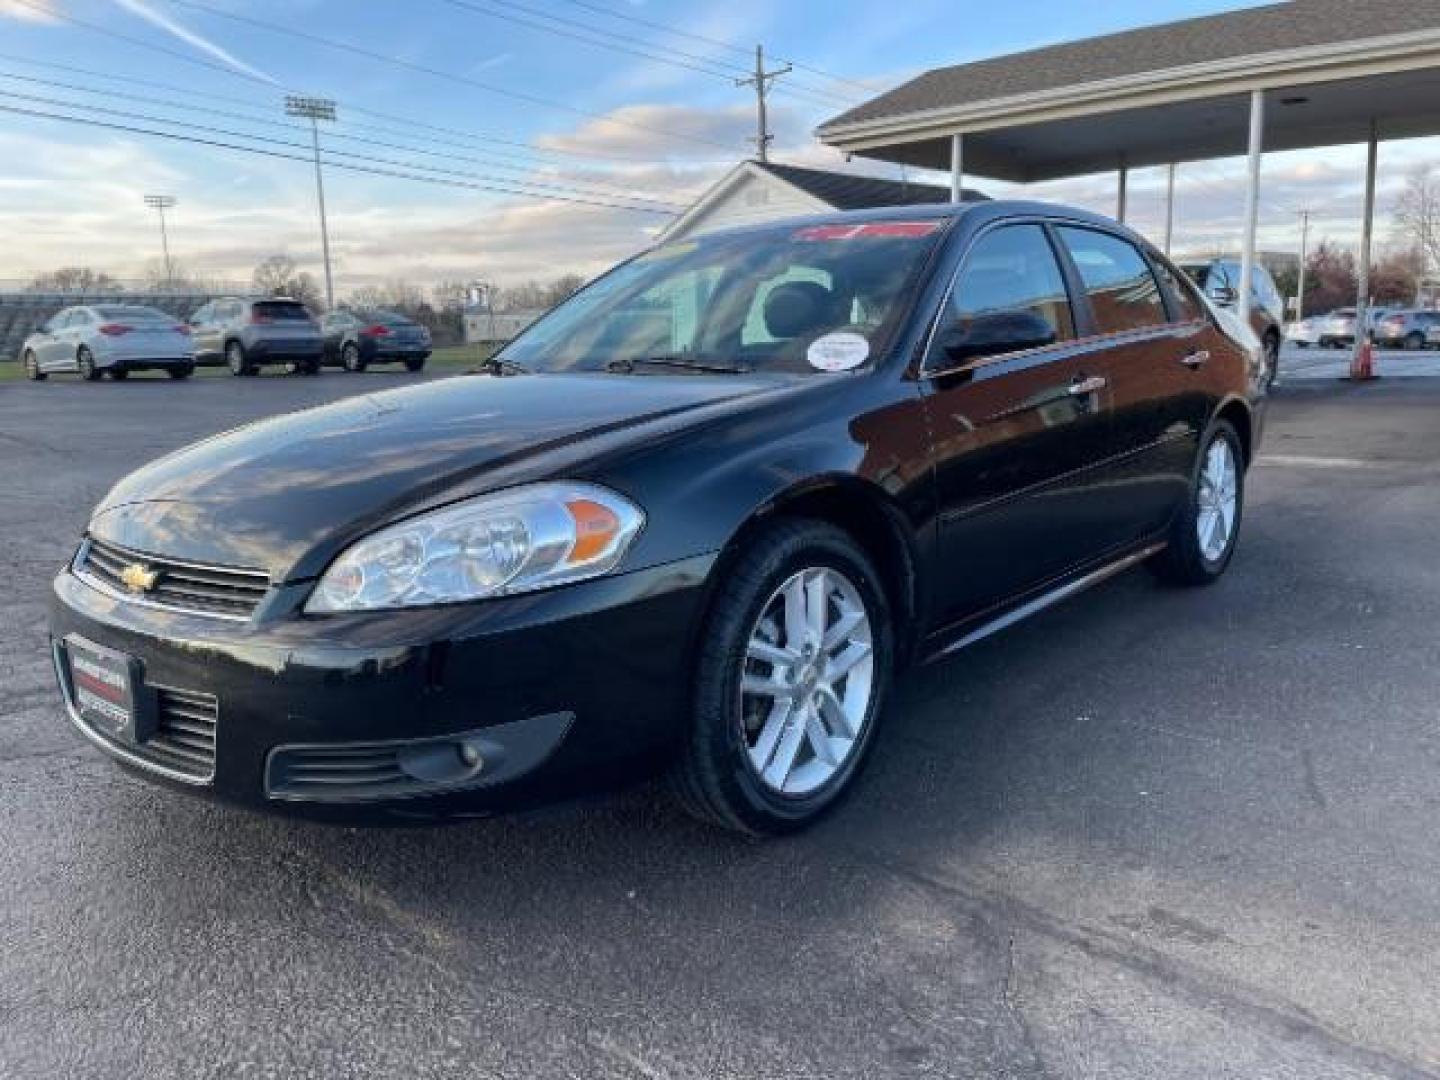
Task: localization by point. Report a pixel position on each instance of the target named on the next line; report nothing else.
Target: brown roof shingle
(1251, 31)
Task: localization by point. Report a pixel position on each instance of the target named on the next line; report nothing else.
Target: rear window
(282, 311)
(1123, 292)
(134, 314)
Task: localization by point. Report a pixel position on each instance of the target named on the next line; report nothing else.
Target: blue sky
(620, 124)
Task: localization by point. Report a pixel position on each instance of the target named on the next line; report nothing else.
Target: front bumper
(557, 693)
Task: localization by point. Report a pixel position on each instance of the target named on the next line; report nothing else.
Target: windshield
(792, 298)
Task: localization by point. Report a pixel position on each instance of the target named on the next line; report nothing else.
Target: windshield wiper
(496, 365)
(688, 363)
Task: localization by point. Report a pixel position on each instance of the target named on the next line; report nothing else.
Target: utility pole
(161, 203)
(761, 80)
(1304, 255)
(315, 110)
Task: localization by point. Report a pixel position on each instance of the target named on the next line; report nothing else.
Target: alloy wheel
(1218, 500)
(807, 681)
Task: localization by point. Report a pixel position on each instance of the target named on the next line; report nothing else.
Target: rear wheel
(32, 368)
(236, 360)
(85, 364)
(1414, 340)
(351, 359)
(180, 371)
(119, 374)
(415, 363)
(1203, 535)
(794, 662)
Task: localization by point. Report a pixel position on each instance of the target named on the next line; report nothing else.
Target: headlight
(512, 541)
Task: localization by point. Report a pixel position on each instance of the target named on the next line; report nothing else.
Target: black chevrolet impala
(692, 521)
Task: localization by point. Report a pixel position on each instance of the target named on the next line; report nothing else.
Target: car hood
(285, 494)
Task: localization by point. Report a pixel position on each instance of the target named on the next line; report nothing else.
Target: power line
(676, 57)
(732, 46)
(587, 187)
(439, 73)
(411, 124)
(402, 170)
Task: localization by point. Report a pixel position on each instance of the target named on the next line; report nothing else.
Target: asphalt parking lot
(1147, 834)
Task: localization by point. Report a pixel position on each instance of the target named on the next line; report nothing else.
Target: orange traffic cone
(1362, 362)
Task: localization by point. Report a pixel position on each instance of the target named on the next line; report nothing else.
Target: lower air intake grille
(184, 738)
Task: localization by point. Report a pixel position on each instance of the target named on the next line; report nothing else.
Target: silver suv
(1405, 329)
(247, 333)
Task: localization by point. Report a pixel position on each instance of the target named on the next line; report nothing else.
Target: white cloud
(41, 11)
(190, 37)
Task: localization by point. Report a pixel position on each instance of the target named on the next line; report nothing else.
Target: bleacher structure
(23, 312)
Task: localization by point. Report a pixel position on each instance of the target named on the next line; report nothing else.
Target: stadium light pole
(161, 203)
(315, 110)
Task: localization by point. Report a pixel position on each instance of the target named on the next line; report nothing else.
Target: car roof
(987, 210)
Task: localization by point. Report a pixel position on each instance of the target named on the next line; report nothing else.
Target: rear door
(1019, 435)
(1156, 361)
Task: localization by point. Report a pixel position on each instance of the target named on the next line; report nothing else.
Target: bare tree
(75, 279)
(1417, 213)
(278, 276)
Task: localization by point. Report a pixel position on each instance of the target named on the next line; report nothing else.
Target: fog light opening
(442, 762)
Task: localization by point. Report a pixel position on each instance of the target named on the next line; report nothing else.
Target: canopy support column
(1122, 195)
(1252, 205)
(1367, 232)
(957, 168)
(1169, 206)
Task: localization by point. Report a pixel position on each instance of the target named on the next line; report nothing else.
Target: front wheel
(350, 358)
(1414, 341)
(32, 368)
(236, 360)
(119, 374)
(1272, 361)
(794, 661)
(85, 364)
(1202, 538)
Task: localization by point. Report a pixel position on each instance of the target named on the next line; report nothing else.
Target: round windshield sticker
(838, 352)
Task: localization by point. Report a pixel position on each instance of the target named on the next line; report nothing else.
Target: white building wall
(752, 198)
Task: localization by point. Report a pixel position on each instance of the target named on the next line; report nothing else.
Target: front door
(1021, 426)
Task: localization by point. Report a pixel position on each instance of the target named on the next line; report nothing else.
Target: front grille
(206, 590)
(184, 737)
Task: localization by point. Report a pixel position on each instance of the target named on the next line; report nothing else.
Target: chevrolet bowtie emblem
(139, 578)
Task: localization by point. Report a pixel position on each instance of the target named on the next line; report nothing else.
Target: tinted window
(1123, 292)
(1011, 271)
(134, 313)
(281, 311)
(1187, 306)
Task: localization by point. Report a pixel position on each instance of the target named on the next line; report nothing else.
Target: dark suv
(245, 334)
(1220, 279)
(357, 339)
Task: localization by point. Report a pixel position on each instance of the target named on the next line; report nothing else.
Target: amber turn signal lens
(596, 528)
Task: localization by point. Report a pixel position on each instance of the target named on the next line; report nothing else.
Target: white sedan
(1304, 333)
(109, 338)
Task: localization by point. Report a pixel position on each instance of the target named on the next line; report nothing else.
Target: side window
(1187, 307)
(202, 313)
(1123, 292)
(1010, 295)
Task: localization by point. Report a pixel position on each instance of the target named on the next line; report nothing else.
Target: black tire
(85, 364)
(1184, 562)
(119, 374)
(180, 371)
(415, 363)
(32, 368)
(713, 778)
(350, 358)
(303, 367)
(1414, 341)
(1272, 359)
(236, 360)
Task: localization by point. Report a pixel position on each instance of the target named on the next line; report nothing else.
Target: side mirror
(994, 333)
(1223, 295)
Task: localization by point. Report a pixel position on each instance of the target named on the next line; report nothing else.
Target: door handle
(1089, 385)
(1195, 359)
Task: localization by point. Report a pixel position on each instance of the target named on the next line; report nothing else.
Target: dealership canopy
(1285, 76)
